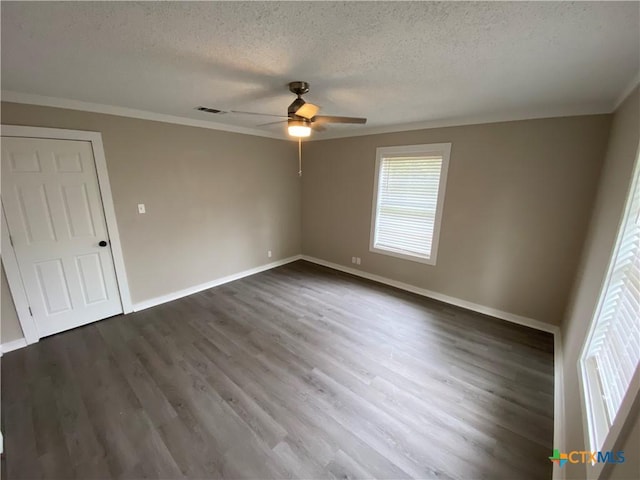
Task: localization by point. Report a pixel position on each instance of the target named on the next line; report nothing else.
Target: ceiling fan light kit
(299, 128)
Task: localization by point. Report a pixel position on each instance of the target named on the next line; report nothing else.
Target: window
(611, 355)
(407, 201)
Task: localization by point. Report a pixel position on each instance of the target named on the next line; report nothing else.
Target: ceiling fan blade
(318, 128)
(334, 119)
(271, 123)
(256, 113)
(308, 111)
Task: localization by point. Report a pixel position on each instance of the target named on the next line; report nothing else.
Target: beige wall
(518, 199)
(613, 187)
(10, 329)
(216, 201)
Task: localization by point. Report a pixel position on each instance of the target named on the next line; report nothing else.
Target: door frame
(9, 260)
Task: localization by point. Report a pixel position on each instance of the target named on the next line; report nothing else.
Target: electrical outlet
(358, 260)
(269, 254)
(353, 259)
(141, 208)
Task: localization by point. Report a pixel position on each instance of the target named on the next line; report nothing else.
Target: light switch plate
(141, 208)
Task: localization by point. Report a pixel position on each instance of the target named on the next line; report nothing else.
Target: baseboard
(13, 345)
(510, 317)
(214, 283)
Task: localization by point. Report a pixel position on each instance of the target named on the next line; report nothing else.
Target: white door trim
(11, 265)
(16, 287)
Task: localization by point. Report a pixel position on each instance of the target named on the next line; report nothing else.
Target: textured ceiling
(396, 63)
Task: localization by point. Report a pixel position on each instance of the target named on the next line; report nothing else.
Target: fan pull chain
(299, 156)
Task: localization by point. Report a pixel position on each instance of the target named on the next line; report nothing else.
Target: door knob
(102, 243)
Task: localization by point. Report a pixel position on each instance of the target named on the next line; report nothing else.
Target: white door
(53, 207)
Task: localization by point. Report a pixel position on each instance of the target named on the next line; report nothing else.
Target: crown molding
(577, 110)
(44, 101)
(566, 111)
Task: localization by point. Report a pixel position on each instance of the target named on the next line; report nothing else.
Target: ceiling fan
(302, 116)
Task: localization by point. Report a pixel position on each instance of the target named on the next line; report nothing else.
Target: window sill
(404, 256)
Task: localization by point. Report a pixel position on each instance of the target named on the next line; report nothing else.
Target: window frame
(441, 149)
(598, 433)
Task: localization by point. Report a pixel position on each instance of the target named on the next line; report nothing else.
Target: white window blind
(408, 201)
(612, 354)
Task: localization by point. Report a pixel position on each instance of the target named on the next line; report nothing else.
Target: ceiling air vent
(210, 110)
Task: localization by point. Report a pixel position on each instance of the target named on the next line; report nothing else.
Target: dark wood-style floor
(298, 372)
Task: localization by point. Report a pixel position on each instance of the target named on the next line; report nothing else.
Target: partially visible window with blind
(612, 354)
(408, 200)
